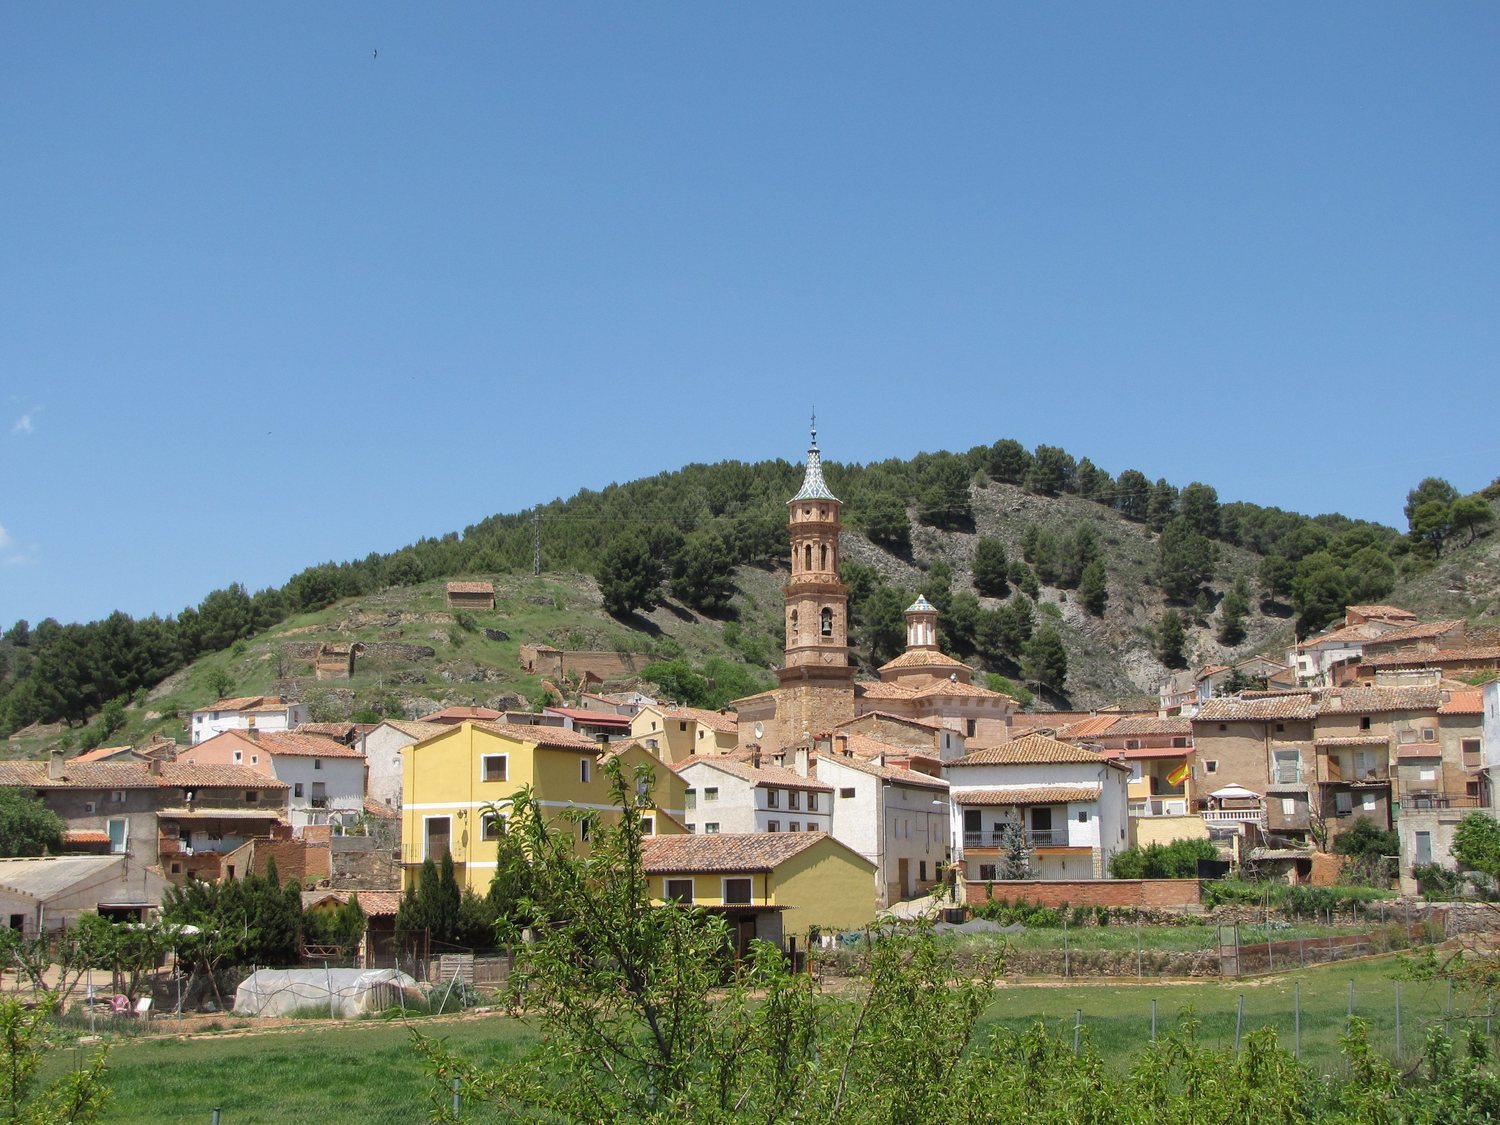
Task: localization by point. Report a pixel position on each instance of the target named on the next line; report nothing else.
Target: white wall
(382, 747)
(207, 723)
(733, 811)
(343, 780)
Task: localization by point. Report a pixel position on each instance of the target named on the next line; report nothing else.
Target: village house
(895, 817)
(452, 716)
(477, 595)
(178, 816)
(767, 885)
(382, 748)
(742, 793)
(458, 785)
(1456, 662)
(1315, 659)
(1158, 752)
(675, 733)
(50, 894)
(250, 712)
(1440, 783)
(598, 725)
(1069, 802)
(1253, 762)
(904, 740)
(326, 778)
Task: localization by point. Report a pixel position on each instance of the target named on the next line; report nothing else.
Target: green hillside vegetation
(1047, 570)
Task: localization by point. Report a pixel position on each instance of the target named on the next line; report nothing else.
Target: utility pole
(536, 543)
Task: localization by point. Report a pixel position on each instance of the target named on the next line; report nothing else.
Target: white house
(740, 794)
(894, 817)
(382, 750)
(251, 712)
(327, 778)
(1070, 802)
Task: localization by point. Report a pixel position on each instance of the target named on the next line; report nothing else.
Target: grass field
(368, 1072)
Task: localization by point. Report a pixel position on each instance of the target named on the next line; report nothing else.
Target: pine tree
(1170, 639)
(1093, 588)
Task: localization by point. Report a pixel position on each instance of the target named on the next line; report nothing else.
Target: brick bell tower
(817, 679)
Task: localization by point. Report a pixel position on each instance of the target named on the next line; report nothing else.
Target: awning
(1235, 793)
(218, 814)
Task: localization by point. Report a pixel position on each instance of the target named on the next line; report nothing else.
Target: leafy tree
(1045, 659)
(629, 576)
(1276, 575)
(1171, 640)
(27, 826)
(944, 502)
(1177, 860)
(1471, 514)
(887, 524)
(1368, 576)
(990, 566)
(1432, 490)
(1132, 493)
(1233, 610)
(960, 625)
(1199, 505)
(1093, 588)
(1008, 461)
(77, 1096)
(712, 685)
(1185, 560)
(1052, 471)
(1364, 838)
(703, 573)
(1161, 505)
(1476, 844)
(1002, 633)
(1319, 592)
(884, 624)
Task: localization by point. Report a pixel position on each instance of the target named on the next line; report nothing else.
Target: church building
(817, 692)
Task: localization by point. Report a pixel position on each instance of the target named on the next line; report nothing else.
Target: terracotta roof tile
(870, 690)
(896, 774)
(294, 744)
(1421, 632)
(1001, 795)
(1352, 740)
(84, 836)
(922, 658)
(1263, 707)
(735, 766)
(1462, 703)
(249, 703)
(137, 775)
(713, 720)
(1094, 727)
(103, 753)
(550, 738)
(420, 731)
(889, 716)
(1131, 728)
(1029, 749)
(1384, 612)
(471, 587)
(460, 714)
(950, 687)
(1356, 700)
(379, 811)
(1458, 655)
(727, 851)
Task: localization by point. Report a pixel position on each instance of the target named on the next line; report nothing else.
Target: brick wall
(294, 859)
(1173, 893)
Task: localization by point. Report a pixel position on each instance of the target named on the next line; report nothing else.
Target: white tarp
(336, 992)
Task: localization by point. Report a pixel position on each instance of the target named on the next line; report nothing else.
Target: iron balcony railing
(1037, 838)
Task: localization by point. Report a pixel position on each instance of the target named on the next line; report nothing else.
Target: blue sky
(288, 283)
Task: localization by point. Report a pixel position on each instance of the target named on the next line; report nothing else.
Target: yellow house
(675, 733)
(768, 884)
(452, 781)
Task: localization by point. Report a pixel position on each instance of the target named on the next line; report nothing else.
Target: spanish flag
(1176, 776)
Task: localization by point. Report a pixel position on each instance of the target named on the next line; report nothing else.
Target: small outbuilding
(49, 893)
(471, 595)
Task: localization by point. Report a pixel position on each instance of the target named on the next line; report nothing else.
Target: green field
(367, 1071)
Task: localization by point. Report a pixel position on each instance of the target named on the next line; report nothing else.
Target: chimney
(55, 766)
(755, 755)
(799, 760)
(153, 766)
(843, 744)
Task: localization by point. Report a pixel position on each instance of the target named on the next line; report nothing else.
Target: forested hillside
(1047, 569)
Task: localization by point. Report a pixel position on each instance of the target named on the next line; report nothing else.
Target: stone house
(677, 733)
(382, 748)
(471, 595)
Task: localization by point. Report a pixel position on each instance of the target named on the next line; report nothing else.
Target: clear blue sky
(269, 298)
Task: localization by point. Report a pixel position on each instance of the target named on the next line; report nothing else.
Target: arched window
(807, 557)
(823, 557)
(827, 622)
(794, 624)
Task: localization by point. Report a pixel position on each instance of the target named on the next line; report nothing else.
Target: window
(773, 826)
(1364, 723)
(1343, 804)
(176, 869)
(1132, 744)
(811, 827)
(1471, 749)
(1471, 788)
(239, 755)
(690, 799)
(1369, 802)
(847, 792)
(492, 826)
(827, 622)
(88, 806)
(711, 793)
(254, 759)
(494, 767)
(711, 828)
(1179, 741)
(679, 890)
(987, 872)
(439, 833)
(119, 834)
(773, 798)
(1083, 816)
(583, 770)
(793, 799)
(971, 727)
(317, 763)
(1281, 726)
(812, 802)
(648, 826)
(738, 892)
(251, 796)
(795, 826)
(297, 789)
(1288, 806)
(1210, 767)
(1429, 735)
(1223, 726)
(922, 870)
(1408, 736)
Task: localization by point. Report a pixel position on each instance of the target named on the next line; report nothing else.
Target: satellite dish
(760, 730)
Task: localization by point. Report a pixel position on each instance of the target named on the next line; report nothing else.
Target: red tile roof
(888, 716)
(292, 744)
(713, 720)
(776, 776)
(1462, 703)
(727, 851)
(84, 836)
(894, 774)
(1356, 700)
(471, 587)
(1422, 632)
(549, 738)
(248, 703)
(1463, 655)
(1382, 612)
(1094, 727)
(1261, 707)
(1027, 750)
(1001, 795)
(103, 753)
(136, 775)
(592, 718)
(922, 658)
(460, 714)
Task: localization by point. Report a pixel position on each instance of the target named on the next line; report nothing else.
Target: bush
(1177, 860)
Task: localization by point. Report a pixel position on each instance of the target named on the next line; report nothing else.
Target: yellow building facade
(457, 785)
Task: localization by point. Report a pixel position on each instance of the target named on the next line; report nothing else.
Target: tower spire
(814, 487)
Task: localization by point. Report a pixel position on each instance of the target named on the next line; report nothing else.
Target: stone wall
(1170, 893)
(366, 862)
(542, 660)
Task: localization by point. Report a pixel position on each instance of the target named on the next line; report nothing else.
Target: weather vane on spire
(814, 426)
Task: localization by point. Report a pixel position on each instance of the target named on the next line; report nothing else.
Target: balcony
(1038, 838)
(1337, 771)
(1238, 816)
(1154, 807)
(318, 802)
